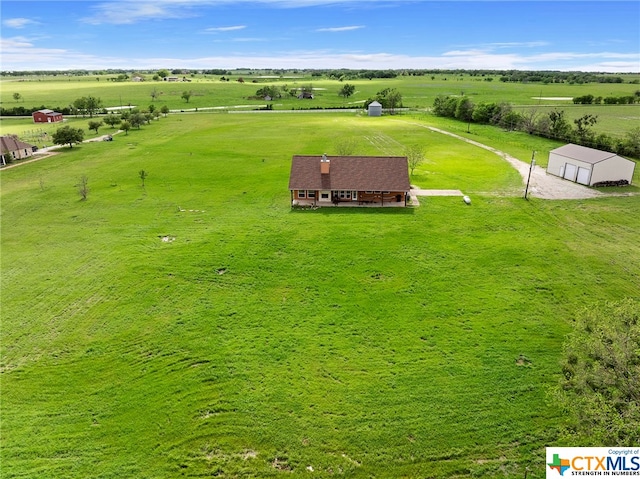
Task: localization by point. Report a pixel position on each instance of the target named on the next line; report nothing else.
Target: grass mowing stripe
(260, 339)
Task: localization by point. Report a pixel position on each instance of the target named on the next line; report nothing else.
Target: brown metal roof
(360, 173)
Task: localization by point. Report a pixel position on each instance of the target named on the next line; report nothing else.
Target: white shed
(375, 109)
(589, 166)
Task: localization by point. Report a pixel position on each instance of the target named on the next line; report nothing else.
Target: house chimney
(324, 165)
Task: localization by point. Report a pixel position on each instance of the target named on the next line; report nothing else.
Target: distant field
(417, 92)
(199, 327)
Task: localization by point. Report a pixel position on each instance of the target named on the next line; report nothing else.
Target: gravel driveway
(541, 185)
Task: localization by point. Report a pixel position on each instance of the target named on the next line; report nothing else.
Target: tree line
(553, 124)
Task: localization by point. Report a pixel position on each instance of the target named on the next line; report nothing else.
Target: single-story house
(375, 109)
(305, 95)
(589, 166)
(46, 116)
(349, 180)
(11, 145)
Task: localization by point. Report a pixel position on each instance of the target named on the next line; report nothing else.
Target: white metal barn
(588, 166)
(375, 109)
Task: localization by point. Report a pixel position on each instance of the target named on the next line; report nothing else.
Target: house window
(302, 193)
(311, 194)
(324, 196)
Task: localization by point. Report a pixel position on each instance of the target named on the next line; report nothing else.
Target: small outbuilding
(589, 166)
(46, 116)
(375, 109)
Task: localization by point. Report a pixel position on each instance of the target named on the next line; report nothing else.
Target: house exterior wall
(326, 197)
(613, 169)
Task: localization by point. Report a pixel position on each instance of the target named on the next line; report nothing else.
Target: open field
(417, 92)
(198, 326)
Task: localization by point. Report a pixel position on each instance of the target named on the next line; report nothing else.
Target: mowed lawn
(198, 326)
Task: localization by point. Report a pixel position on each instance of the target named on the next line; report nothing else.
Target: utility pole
(533, 164)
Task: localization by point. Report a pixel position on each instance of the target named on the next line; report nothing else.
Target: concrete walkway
(415, 192)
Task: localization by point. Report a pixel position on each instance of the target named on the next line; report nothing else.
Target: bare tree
(346, 146)
(83, 187)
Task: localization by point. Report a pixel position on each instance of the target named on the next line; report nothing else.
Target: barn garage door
(583, 176)
(569, 172)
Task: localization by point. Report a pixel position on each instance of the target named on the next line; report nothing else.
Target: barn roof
(48, 112)
(360, 173)
(583, 153)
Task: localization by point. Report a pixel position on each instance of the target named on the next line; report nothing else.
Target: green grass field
(199, 327)
(417, 93)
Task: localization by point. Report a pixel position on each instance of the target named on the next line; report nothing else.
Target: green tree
(464, 110)
(88, 105)
(95, 125)
(600, 387)
(164, 110)
(559, 127)
(445, 106)
(68, 135)
(186, 95)
(347, 90)
(143, 176)
(415, 157)
(137, 120)
(391, 100)
(631, 143)
(583, 132)
(112, 120)
(17, 96)
(154, 94)
(125, 126)
(163, 73)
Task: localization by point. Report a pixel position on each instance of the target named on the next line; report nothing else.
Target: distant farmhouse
(17, 149)
(349, 180)
(46, 116)
(589, 166)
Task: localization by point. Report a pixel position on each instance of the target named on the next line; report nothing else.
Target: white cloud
(127, 12)
(225, 29)
(20, 53)
(340, 29)
(18, 22)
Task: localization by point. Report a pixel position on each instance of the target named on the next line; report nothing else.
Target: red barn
(46, 116)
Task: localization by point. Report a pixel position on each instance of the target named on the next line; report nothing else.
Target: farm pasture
(262, 341)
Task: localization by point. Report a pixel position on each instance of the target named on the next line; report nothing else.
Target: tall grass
(199, 326)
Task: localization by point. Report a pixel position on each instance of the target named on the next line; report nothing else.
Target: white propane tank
(466, 199)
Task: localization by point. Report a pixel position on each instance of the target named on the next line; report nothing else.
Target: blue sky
(199, 34)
